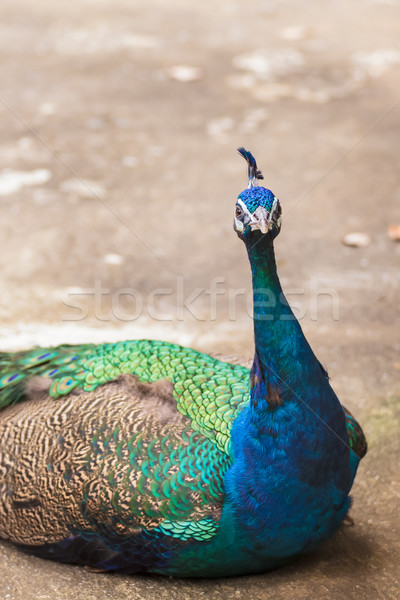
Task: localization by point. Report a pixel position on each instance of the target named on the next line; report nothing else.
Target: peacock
(146, 456)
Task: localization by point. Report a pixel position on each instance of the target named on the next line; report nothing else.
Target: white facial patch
(238, 225)
(260, 219)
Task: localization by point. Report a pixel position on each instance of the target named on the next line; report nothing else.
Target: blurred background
(118, 176)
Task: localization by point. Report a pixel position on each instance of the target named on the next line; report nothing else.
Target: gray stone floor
(118, 175)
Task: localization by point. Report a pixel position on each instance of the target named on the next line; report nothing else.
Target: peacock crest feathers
(252, 170)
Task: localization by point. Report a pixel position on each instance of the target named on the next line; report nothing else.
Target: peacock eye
(238, 212)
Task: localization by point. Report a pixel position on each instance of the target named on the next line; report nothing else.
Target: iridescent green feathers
(208, 391)
(16, 369)
(357, 440)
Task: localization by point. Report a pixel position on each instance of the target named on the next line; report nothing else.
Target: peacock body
(148, 456)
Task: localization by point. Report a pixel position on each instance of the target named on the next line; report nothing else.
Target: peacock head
(257, 209)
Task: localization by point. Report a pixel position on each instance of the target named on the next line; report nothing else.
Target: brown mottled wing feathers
(122, 456)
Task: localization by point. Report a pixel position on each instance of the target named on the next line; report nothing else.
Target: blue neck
(287, 460)
(281, 350)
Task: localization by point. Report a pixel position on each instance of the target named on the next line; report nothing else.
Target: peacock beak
(261, 220)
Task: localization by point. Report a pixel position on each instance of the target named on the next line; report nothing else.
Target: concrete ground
(118, 175)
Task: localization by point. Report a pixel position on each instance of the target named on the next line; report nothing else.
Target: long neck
(280, 346)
